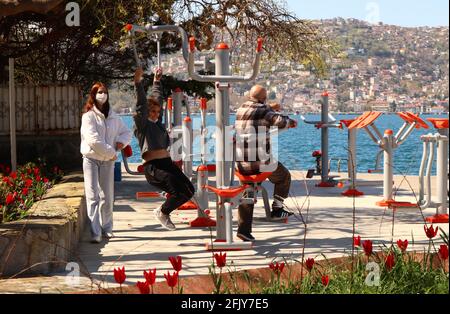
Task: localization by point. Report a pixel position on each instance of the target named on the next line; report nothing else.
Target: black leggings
(164, 174)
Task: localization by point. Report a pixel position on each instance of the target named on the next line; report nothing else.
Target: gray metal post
(442, 171)
(352, 156)
(222, 113)
(12, 114)
(222, 120)
(388, 143)
(324, 139)
(203, 130)
(202, 192)
(177, 98)
(187, 146)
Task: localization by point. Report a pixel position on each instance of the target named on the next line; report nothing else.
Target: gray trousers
(281, 178)
(99, 191)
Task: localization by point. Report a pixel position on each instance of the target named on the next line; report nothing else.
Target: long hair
(91, 102)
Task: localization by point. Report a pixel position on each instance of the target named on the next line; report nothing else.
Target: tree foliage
(47, 50)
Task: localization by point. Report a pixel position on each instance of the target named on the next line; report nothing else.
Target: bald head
(258, 93)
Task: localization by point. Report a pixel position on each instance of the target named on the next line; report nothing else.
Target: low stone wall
(48, 238)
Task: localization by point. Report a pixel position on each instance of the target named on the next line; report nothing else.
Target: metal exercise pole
(177, 98)
(324, 137)
(187, 135)
(203, 130)
(388, 174)
(442, 172)
(352, 160)
(222, 121)
(223, 78)
(202, 219)
(442, 126)
(327, 121)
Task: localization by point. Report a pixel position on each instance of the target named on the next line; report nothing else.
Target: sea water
(295, 146)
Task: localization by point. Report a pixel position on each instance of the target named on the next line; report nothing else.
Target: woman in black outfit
(160, 171)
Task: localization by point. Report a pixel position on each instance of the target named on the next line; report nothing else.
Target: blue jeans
(99, 192)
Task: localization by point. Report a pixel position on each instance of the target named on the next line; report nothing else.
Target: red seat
(439, 123)
(366, 119)
(411, 118)
(254, 178)
(228, 192)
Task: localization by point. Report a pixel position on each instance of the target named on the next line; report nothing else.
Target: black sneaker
(246, 237)
(280, 213)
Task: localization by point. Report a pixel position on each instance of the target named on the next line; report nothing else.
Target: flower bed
(41, 223)
(20, 189)
(392, 270)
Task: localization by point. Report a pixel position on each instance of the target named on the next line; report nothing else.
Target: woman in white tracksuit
(103, 135)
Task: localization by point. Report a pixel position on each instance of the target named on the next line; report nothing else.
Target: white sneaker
(164, 219)
(96, 239)
(109, 235)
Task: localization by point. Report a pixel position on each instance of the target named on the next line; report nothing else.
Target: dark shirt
(150, 135)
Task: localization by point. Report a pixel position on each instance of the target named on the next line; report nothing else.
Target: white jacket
(99, 135)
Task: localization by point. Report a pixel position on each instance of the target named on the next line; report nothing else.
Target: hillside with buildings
(379, 67)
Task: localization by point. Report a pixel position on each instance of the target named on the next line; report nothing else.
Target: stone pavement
(141, 243)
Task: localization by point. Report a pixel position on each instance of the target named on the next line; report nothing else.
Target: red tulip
(29, 170)
(367, 246)
(221, 259)
(10, 198)
(28, 183)
(325, 280)
(390, 261)
(430, 232)
(357, 241)
(128, 27)
(38, 178)
(144, 287)
(45, 180)
(13, 175)
(6, 180)
(402, 245)
(171, 279)
(25, 191)
(443, 252)
(277, 267)
(150, 276)
(36, 171)
(119, 275)
(310, 263)
(176, 263)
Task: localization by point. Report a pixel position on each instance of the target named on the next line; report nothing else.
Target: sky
(408, 13)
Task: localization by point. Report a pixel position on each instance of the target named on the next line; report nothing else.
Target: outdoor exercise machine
(352, 191)
(439, 140)
(173, 110)
(224, 143)
(327, 121)
(224, 152)
(388, 143)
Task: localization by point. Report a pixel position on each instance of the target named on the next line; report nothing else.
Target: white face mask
(101, 98)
